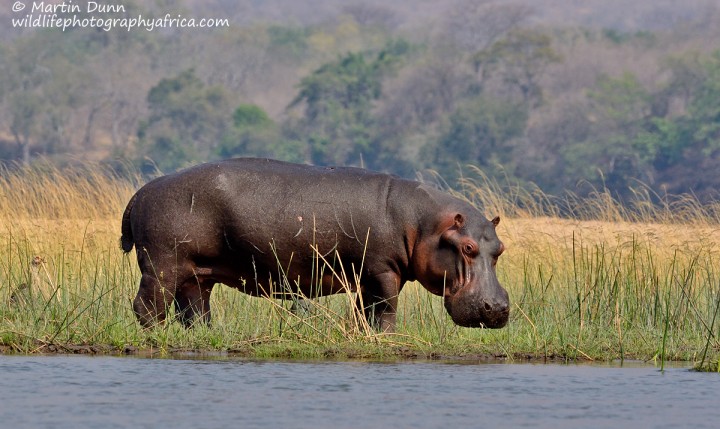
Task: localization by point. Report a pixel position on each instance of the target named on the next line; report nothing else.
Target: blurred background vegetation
(556, 94)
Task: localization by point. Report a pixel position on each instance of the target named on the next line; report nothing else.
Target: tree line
(560, 108)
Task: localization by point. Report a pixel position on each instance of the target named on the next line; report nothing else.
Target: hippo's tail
(126, 240)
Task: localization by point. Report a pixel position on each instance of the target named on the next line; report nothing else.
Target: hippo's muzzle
(475, 306)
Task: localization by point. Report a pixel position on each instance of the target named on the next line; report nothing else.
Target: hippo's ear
(496, 221)
(451, 235)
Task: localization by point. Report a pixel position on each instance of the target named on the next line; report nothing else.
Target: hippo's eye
(469, 249)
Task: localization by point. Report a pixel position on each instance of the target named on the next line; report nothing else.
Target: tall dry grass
(82, 191)
(645, 206)
(588, 278)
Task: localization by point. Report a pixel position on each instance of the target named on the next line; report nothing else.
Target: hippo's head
(458, 262)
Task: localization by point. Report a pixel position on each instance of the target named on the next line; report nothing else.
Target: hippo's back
(253, 200)
(256, 184)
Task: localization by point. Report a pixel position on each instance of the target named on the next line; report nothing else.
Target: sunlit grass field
(588, 279)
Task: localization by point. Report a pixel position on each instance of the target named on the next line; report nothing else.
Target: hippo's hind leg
(192, 301)
(157, 287)
(152, 301)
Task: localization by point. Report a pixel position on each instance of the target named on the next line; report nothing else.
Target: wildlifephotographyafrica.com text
(105, 16)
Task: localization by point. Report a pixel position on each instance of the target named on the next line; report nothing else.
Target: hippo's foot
(192, 303)
(379, 313)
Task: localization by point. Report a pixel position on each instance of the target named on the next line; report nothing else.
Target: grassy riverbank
(605, 285)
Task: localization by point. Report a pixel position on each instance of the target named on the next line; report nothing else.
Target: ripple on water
(72, 391)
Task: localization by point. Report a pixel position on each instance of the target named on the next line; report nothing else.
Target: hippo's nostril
(488, 307)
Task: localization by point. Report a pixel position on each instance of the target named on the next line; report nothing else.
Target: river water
(82, 391)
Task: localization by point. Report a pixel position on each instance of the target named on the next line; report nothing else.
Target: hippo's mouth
(471, 308)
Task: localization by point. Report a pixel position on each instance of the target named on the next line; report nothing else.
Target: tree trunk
(26, 153)
(23, 146)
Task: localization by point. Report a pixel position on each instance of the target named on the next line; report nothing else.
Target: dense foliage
(489, 84)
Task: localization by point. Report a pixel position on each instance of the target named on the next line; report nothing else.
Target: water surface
(78, 391)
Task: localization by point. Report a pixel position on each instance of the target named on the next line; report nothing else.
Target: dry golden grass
(606, 282)
(43, 191)
(545, 235)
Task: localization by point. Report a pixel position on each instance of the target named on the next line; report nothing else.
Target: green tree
(624, 139)
(621, 102)
(689, 143)
(250, 115)
(338, 99)
(704, 109)
(479, 133)
(669, 138)
(254, 134)
(187, 121)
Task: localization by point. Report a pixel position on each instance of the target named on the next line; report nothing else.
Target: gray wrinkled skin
(244, 222)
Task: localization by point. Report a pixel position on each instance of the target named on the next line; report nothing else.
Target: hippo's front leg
(379, 301)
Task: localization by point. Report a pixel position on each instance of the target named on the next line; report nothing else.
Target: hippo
(272, 228)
